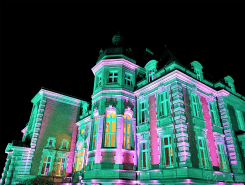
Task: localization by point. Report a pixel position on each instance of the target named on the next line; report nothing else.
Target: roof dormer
(197, 69)
(230, 82)
(151, 68)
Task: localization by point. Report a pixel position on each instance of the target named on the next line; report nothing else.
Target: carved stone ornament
(96, 112)
(111, 109)
(141, 96)
(161, 88)
(129, 111)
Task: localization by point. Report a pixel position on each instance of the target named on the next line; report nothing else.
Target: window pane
(49, 159)
(125, 116)
(112, 140)
(203, 160)
(94, 142)
(106, 140)
(115, 79)
(124, 128)
(113, 115)
(167, 156)
(107, 126)
(128, 129)
(45, 159)
(172, 157)
(124, 141)
(128, 117)
(144, 159)
(200, 142)
(108, 115)
(113, 126)
(128, 142)
(95, 126)
(43, 169)
(143, 146)
(165, 141)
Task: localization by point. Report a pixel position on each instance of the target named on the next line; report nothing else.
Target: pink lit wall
(153, 132)
(210, 136)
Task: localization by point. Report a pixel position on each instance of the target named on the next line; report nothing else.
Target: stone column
(179, 116)
(231, 141)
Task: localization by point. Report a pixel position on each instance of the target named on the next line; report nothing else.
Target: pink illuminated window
(46, 165)
(168, 157)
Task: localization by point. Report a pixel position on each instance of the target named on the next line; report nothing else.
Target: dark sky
(55, 45)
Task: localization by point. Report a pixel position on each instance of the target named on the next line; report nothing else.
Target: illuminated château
(144, 126)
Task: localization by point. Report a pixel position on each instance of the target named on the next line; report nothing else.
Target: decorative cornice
(114, 62)
(57, 97)
(84, 120)
(181, 76)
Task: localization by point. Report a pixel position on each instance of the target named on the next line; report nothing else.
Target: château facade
(143, 126)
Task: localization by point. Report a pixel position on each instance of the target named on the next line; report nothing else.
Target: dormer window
(151, 70)
(197, 69)
(113, 77)
(152, 75)
(64, 144)
(50, 143)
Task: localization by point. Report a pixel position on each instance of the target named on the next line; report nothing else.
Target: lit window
(222, 157)
(60, 166)
(63, 144)
(213, 113)
(240, 120)
(113, 77)
(110, 130)
(128, 80)
(46, 165)
(203, 152)
(164, 108)
(142, 112)
(95, 132)
(168, 159)
(144, 155)
(151, 75)
(79, 158)
(196, 106)
(127, 132)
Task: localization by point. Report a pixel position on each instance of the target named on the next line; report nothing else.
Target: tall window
(196, 106)
(142, 112)
(128, 80)
(151, 75)
(144, 155)
(213, 112)
(164, 107)
(79, 160)
(127, 132)
(60, 166)
(222, 157)
(99, 81)
(110, 130)
(50, 143)
(95, 132)
(240, 120)
(203, 152)
(113, 77)
(46, 165)
(168, 159)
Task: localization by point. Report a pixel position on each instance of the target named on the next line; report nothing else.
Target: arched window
(110, 130)
(79, 158)
(127, 127)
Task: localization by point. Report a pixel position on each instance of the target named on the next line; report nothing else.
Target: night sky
(55, 45)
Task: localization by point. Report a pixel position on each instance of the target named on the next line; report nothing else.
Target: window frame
(95, 128)
(127, 122)
(222, 157)
(196, 106)
(205, 152)
(214, 112)
(110, 133)
(63, 166)
(80, 158)
(142, 110)
(163, 112)
(128, 79)
(240, 120)
(99, 81)
(146, 151)
(113, 76)
(170, 150)
(50, 165)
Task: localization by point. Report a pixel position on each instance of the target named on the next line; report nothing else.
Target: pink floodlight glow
(210, 135)
(188, 181)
